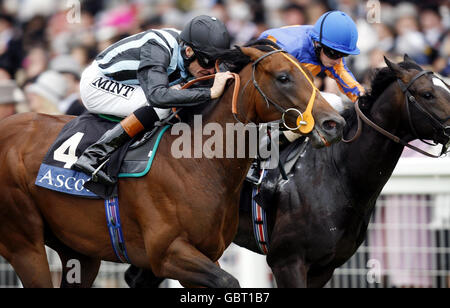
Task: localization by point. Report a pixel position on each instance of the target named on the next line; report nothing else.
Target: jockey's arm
(345, 80)
(154, 80)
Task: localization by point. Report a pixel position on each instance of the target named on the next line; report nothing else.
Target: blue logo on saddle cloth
(64, 180)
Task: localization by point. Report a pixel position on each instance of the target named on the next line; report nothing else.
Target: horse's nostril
(330, 125)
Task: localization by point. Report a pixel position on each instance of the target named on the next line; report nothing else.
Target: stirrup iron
(94, 174)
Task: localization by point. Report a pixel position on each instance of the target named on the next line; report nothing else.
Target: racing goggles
(204, 60)
(333, 54)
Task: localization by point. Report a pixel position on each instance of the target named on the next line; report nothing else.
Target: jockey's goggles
(204, 60)
(333, 54)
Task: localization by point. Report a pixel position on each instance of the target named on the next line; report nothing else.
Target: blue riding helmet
(337, 31)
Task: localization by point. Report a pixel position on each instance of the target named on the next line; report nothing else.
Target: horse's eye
(283, 78)
(428, 95)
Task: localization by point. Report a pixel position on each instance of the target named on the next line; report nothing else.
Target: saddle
(133, 160)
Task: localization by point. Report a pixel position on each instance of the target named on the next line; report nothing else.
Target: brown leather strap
(192, 82)
(237, 85)
(385, 133)
(358, 132)
(132, 126)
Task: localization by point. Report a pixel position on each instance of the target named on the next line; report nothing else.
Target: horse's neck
(221, 116)
(366, 165)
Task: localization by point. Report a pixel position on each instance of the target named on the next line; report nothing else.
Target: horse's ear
(396, 69)
(253, 53)
(407, 58)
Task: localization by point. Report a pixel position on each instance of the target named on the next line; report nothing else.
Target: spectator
(70, 69)
(83, 54)
(10, 96)
(442, 63)
(11, 53)
(435, 33)
(293, 14)
(432, 26)
(410, 40)
(240, 24)
(4, 74)
(385, 37)
(45, 94)
(34, 32)
(35, 62)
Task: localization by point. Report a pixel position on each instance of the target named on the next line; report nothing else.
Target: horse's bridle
(282, 110)
(437, 123)
(305, 120)
(441, 131)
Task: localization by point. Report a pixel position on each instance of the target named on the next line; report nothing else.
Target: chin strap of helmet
(318, 47)
(321, 27)
(317, 50)
(186, 60)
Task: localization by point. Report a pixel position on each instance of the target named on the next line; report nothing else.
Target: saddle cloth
(130, 161)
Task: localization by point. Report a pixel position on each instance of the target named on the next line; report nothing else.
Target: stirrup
(94, 174)
(263, 172)
(256, 181)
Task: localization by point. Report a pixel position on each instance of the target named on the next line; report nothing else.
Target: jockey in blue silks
(323, 48)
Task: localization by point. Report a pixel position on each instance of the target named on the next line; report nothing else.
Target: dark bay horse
(178, 220)
(319, 218)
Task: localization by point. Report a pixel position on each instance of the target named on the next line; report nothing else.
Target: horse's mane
(380, 81)
(235, 60)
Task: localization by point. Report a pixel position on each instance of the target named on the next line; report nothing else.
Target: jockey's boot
(95, 157)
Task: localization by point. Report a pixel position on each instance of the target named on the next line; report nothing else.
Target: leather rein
(409, 98)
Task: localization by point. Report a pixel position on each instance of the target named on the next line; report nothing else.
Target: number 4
(71, 144)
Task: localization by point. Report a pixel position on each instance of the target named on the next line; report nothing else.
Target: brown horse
(178, 220)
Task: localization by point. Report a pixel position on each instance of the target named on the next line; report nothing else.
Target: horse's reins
(408, 99)
(237, 85)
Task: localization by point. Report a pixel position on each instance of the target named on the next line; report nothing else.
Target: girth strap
(115, 229)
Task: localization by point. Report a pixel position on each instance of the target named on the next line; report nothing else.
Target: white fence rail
(408, 243)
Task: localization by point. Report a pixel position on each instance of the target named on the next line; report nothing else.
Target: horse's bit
(409, 98)
(305, 120)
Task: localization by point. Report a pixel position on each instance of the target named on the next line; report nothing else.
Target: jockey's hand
(219, 84)
(176, 87)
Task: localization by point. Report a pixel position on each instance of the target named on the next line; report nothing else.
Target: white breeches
(102, 95)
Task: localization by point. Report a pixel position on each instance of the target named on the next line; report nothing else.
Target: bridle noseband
(436, 122)
(305, 120)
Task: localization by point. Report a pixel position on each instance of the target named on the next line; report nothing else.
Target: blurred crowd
(46, 44)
